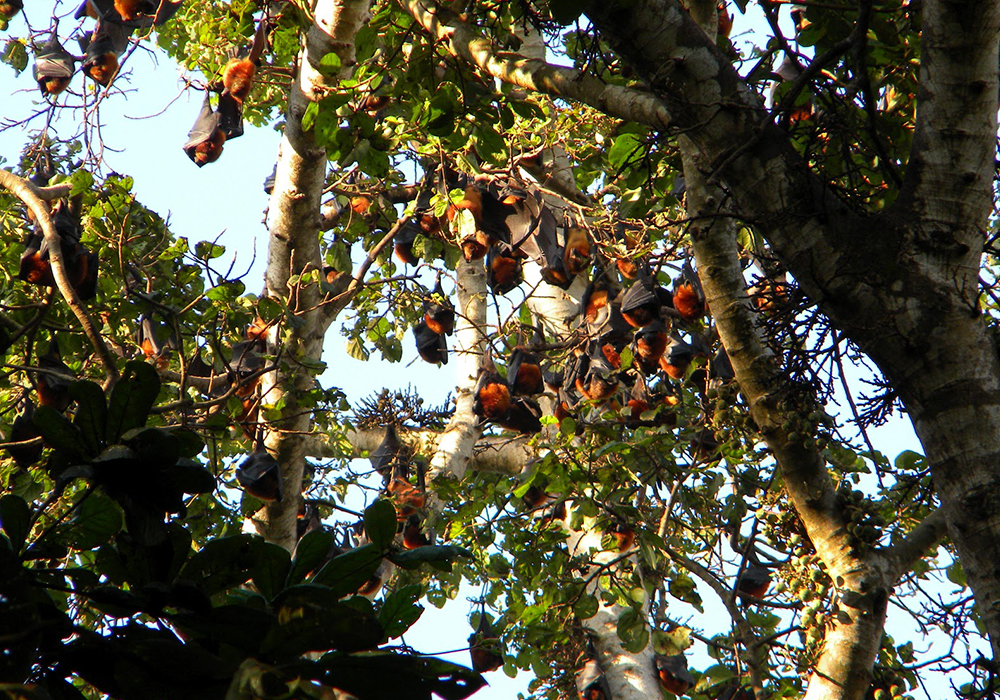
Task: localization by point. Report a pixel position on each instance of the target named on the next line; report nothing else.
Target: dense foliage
(124, 569)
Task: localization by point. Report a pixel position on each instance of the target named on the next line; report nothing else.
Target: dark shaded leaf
(271, 570)
(15, 519)
(310, 553)
(97, 520)
(436, 555)
(399, 611)
(380, 675)
(60, 434)
(224, 563)
(131, 400)
(346, 573)
(91, 413)
(311, 618)
(380, 523)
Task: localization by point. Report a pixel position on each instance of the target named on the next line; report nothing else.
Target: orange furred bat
(524, 372)
(503, 269)
(472, 202)
(53, 68)
(102, 47)
(237, 78)
(673, 673)
(725, 25)
(403, 242)
(432, 347)
(523, 416)
(53, 379)
(640, 304)
(206, 138)
(591, 683)
(439, 313)
(754, 582)
(413, 534)
(492, 395)
(576, 250)
(623, 535)
(485, 647)
(9, 8)
(649, 344)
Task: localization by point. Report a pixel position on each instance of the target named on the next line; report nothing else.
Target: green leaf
(381, 523)
(400, 611)
(91, 413)
(15, 55)
(311, 551)
(15, 519)
(131, 400)
(632, 631)
(60, 434)
(224, 563)
(190, 477)
(438, 556)
(586, 607)
(329, 65)
(271, 571)
(956, 574)
(385, 675)
(312, 618)
(346, 573)
(96, 521)
(624, 149)
(565, 12)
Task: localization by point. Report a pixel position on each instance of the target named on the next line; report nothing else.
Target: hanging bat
(414, 535)
(102, 47)
(492, 395)
(648, 345)
(640, 304)
(576, 250)
(54, 67)
(387, 453)
(402, 244)
(21, 430)
(688, 296)
(523, 416)
(485, 647)
(439, 313)
(52, 382)
(754, 582)
(600, 381)
(524, 372)
(432, 347)
(503, 268)
(551, 253)
(591, 684)
(260, 475)
(10, 8)
(149, 340)
(206, 138)
(673, 673)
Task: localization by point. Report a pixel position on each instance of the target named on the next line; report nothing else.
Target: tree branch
(33, 198)
(534, 74)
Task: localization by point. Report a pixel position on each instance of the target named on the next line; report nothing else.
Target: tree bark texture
(293, 250)
(902, 283)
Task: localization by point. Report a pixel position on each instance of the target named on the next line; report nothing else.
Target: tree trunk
(901, 284)
(293, 249)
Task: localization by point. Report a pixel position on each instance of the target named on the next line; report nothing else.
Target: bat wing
(204, 125)
(230, 116)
